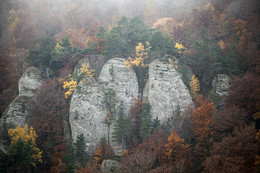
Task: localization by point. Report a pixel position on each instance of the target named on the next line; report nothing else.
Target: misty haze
(158, 86)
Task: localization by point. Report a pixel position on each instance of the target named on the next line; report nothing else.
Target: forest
(198, 39)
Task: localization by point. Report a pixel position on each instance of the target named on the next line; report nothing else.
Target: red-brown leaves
(47, 114)
(245, 92)
(144, 156)
(103, 151)
(225, 121)
(235, 153)
(201, 126)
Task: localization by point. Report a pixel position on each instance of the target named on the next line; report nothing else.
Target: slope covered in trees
(200, 39)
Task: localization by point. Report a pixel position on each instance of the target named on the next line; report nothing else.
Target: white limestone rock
(220, 90)
(87, 114)
(87, 109)
(30, 81)
(165, 90)
(17, 112)
(221, 84)
(109, 166)
(116, 76)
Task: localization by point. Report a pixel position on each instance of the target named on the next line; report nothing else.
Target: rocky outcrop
(88, 110)
(221, 84)
(114, 75)
(29, 82)
(17, 112)
(95, 61)
(87, 114)
(165, 90)
(220, 90)
(109, 166)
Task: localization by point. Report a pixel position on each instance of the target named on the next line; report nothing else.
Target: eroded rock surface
(30, 81)
(87, 114)
(221, 84)
(220, 90)
(109, 166)
(17, 112)
(88, 109)
(116, 76)
(165, 90)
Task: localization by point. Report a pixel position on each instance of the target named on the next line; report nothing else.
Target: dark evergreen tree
(155, 125)
(42, 55)
(80, 150)
(115, 43)
(122, 127)
(69, 157)
(146, 121)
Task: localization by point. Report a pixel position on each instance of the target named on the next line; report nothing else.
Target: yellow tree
(176, 149)
(180, 47)
(201, 128)
(71, 85)
(194, 87)
(86, 69)
(141, 52)
(23, 151)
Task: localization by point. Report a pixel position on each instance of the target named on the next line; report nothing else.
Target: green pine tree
(122, 127)
(42, 55)
(155, 125)
(80, 150)
(146, 121)
(69, 157)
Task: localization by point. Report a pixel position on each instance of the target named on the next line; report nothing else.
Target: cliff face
(165, 90)
(17, 113)
(114, 75)
(220, 90)
(88, 108)
(87, 114)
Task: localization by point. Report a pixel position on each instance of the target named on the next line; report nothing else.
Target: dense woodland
(205, 37)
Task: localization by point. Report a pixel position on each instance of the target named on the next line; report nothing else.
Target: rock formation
(123, 81)
(220, 90)
(109, 166)
(17, 113)
(221, 84)
(114, 75)
(165, 90)
(87, 114)
(88, 110)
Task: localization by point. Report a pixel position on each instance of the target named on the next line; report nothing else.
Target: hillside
(129, 86)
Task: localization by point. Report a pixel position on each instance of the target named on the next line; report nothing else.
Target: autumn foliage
(204, 39)
(202, 128)
(103, 151)
(244, 93)
(235, 153)
(47, 114)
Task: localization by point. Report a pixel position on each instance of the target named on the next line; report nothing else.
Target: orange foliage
(175, 149)
(57, 164)
(88, 169)
(100, 43)
(201, 126)
(103, 151)
(239, 26)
